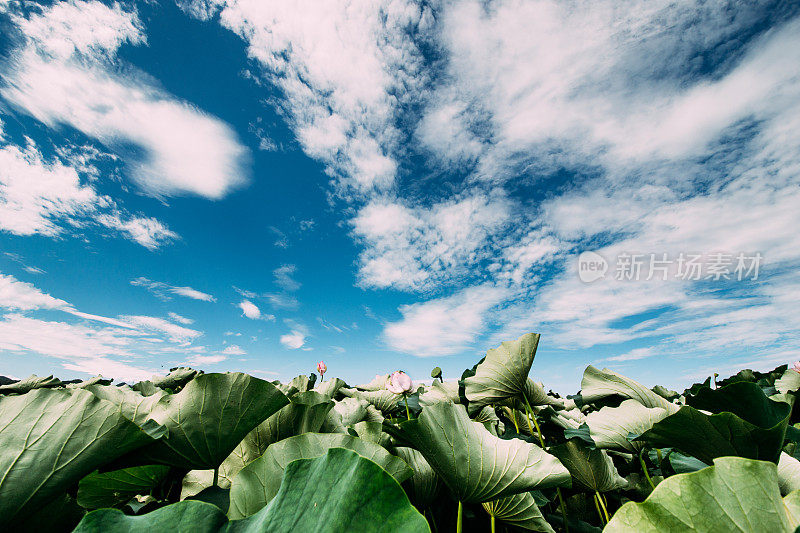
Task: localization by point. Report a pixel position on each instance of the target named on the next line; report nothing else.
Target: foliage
(495, 449)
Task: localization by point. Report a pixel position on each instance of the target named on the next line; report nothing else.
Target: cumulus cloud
(64, 73)
(293, 340)
(39, 196)
(233, 349)
(545, 129)
(412, 248)
(250, 310)
(443, 326)
(343, 68)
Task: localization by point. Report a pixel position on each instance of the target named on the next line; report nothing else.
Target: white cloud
(35, 195)
(634, 355)
(413, 248)
(63, 74)
(165, 291)
(180, 319)
(284, 279)
(293, 340)
(84, 348)
(175, 332)
(443, 326)
(206, 359)
(343, 68)
(40, 197)
(233, 349)
(148, 232)
(21, 296)
(250, 310)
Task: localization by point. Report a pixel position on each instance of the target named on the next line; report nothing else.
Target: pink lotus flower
(321, 368)
(399, 383)
(796, 366)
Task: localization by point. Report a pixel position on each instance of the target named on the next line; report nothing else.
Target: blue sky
(253, 186)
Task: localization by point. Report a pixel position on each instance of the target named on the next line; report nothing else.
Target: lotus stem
(660, 460)
(405, 401)
(492, 522)
(216, 477)
(432, 520)
(599, 512)
(563, 509)
(460, 514)
(530, 414)
(514, 419)
(602, 504)
(644, 469)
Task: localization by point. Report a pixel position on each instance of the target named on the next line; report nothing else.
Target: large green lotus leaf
(503, 376)
(377, 383)
(330, 388)
(788, 473)
(259, 481)
(610, 426)
(440, 392)
(477, 466)
(734, 495)
(519, 510)
(305, 412)
(97, 380)
(591, 468)
(758, 436)
(371, 431)
(51, 438)
(208, 418)
(31, 383)
(178, 377)
(597, 384)
(383, 400)
(340, 492)
(424, 483)
(131, 403)
(59, 516)
(301, 383)
(196, 481)
(788, 382)
(488, 417)
(108, 489)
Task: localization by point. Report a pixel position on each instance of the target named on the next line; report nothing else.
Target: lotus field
(491, 451)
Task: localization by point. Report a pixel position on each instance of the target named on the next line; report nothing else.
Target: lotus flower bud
(321, 368)
(399, 383)
(796, 366)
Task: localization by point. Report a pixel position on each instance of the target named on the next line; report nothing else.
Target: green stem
(405, 401)
(514, 419)
(599, 513)
(493, 526)
(531, 415)
(460, 513)
(660, 460)
(563, 509)
(602, 504)
(644, 469)
(216, 477)
(432, 520)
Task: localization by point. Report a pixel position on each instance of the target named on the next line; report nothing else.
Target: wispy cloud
(165, 292)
